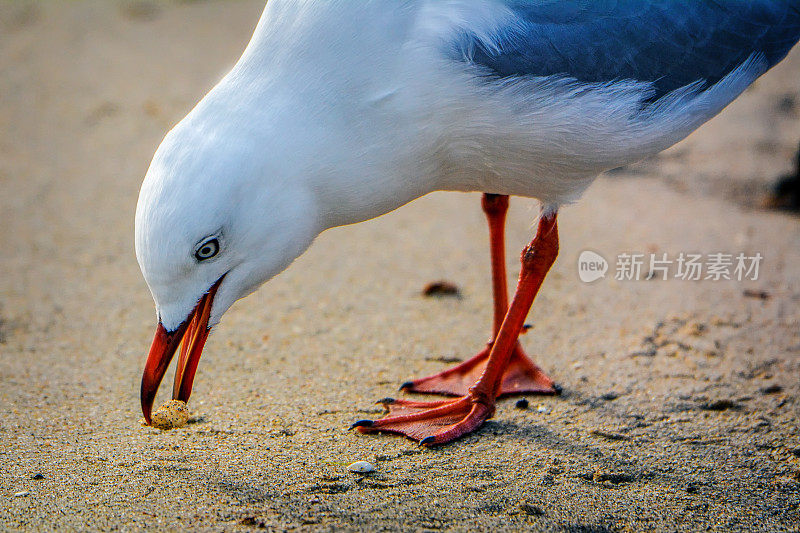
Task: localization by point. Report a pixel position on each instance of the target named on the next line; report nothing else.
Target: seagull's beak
(193, 332)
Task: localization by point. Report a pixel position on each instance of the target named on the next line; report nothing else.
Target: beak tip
(147, 406)
(146, 412)
(161, 352)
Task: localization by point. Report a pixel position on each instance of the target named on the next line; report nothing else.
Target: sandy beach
(680, 408)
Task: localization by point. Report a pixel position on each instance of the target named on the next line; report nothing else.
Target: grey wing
(667, 43)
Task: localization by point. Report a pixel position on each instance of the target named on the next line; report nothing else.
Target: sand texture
(680, 405)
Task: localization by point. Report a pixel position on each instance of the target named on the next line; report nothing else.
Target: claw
(428, 441)
(386, 401)
(558, 389)
(362, 424)
(407, 385)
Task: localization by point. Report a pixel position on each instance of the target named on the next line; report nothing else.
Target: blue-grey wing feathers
(667, 43)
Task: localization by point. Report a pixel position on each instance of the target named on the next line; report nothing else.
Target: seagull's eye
(207, 250)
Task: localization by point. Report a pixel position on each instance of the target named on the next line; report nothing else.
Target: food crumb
(171, 415)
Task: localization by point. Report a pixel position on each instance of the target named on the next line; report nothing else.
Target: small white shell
(21, 494)
(361, 467)
(542, 409)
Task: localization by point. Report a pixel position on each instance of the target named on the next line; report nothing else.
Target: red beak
(193, 332)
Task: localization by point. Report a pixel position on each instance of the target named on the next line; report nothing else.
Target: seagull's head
(217, 217)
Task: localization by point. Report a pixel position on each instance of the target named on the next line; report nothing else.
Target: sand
(679, 412)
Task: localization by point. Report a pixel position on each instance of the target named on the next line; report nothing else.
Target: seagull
(338, 112)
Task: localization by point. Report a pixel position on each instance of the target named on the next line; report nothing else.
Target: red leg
(443, 421)
(522, 375)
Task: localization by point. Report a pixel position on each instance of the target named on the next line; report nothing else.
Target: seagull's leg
(522, 375)
(439, 422)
